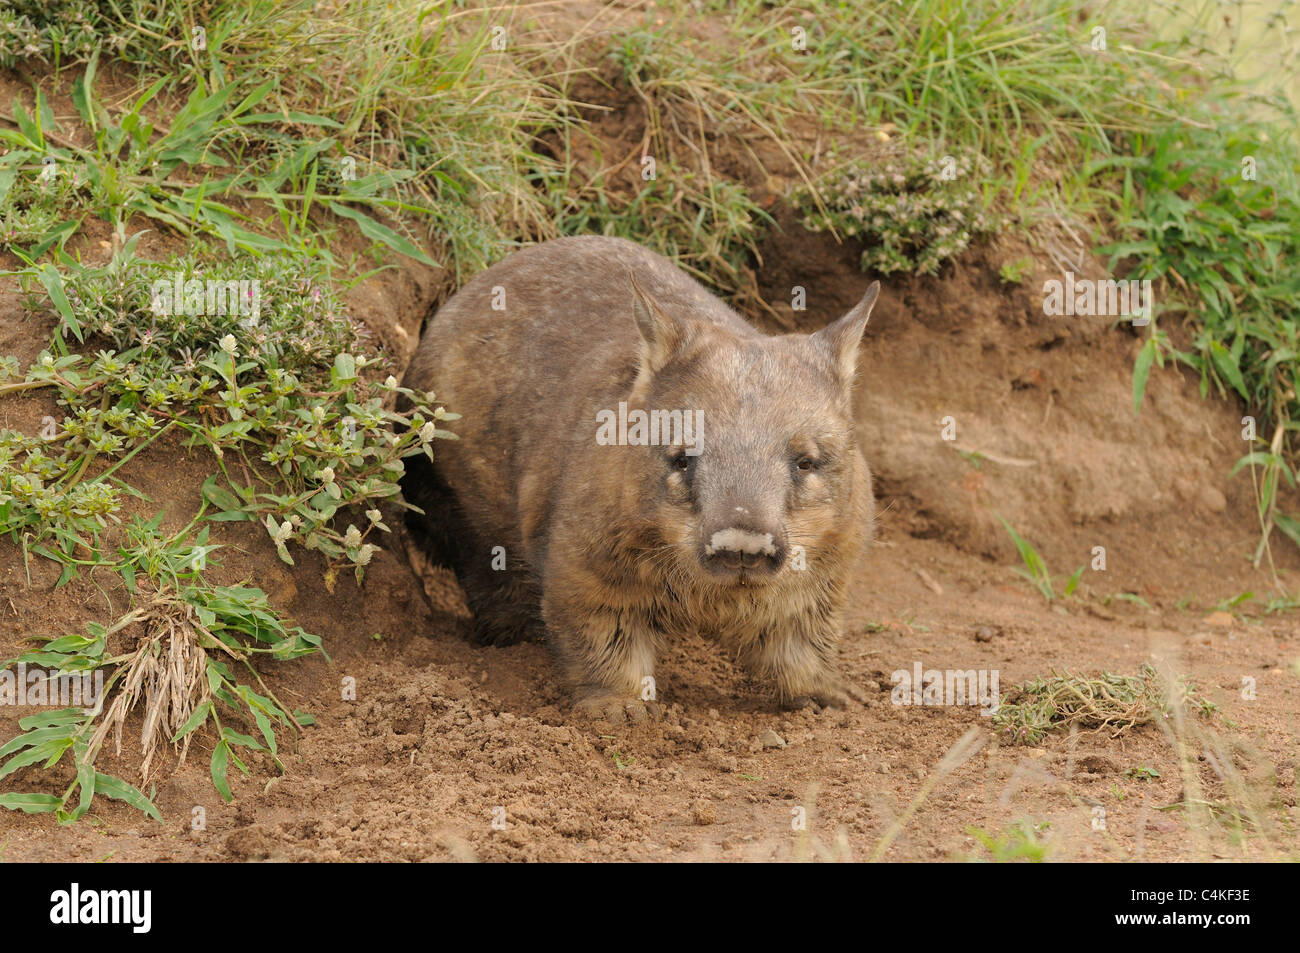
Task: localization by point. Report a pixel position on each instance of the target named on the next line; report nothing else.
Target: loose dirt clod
(703, 812)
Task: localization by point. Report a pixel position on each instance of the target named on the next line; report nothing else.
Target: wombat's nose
(730, 549)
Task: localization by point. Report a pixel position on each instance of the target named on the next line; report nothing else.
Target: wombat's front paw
(615, 708)
(835, 695)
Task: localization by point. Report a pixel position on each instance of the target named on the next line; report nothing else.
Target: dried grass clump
(167, 669)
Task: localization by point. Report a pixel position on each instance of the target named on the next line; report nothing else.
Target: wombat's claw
(616, 709)
(422, 566)
(799, 702)
(837, 697)
(857, 694)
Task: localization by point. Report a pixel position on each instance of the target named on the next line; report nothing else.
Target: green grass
(401, 109)
(1208, 205)
(51, 31)
(49, 184)
(1015, 82)
(1015, 272)
(1035, 570)
(671, 195)
(1022, 841)
(291, 406)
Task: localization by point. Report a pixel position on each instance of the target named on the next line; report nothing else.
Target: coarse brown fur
(609, 549)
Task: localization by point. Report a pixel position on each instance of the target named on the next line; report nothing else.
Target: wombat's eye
(806, 464)
(681, 462)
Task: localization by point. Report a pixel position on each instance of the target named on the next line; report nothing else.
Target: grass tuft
(1114, 703)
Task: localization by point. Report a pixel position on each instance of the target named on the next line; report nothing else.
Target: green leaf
(231, 517)
(53, 283)
(1073, 582)
(1288, 525)
(264, 725)
(199, 716)
(189, 138)
(57, 235)
(7, 176)
(1254, 458)
(220, 756)
(381, 233)
(51, 719)
(69, 643)
(233, 737)
(50, 752)
(1141, 370)
(28, 128)
(82, 88)
(119, 790)
(31, 803)
(86, 777)
(39, 736)
(1226, 366)
(229, 504)
(252, 99)
(44, 114)
(345, 369)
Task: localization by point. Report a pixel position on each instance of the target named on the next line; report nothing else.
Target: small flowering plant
(35, 203)
(287, 397)
(912, 213)
(49, 29)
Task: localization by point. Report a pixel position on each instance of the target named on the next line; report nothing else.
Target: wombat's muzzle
(731, 549)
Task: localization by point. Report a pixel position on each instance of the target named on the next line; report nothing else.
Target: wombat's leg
(439, 530)
(607, 656)
(799, 655)
(504, 602)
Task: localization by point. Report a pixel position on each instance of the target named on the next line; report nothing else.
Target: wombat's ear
(843, 336)
(660, 332)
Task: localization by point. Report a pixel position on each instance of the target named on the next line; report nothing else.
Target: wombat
(636, 461)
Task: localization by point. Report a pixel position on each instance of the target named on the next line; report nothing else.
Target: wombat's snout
(731, 546)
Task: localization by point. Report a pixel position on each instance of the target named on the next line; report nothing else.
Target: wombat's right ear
(843, 337)
(660, 332)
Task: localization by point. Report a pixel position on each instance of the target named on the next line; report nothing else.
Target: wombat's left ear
(843, 336)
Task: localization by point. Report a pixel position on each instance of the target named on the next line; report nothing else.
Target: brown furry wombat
(637, 461)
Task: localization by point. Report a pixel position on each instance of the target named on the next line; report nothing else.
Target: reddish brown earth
(443, 734)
